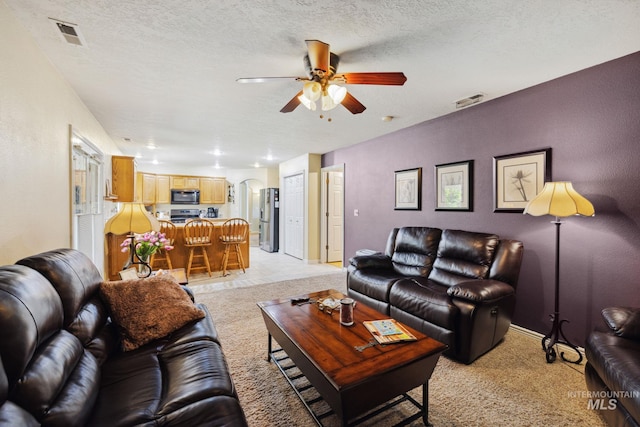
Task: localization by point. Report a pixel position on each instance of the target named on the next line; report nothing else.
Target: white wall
(36, 107)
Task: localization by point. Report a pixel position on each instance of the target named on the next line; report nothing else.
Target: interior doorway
(250, 207)
(332, 224)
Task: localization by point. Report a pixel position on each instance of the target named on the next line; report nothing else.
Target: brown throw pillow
(148, 309)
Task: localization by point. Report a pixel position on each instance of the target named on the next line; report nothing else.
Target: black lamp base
(144, 269)
(554, 337)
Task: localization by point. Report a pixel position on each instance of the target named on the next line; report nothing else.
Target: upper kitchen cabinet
(163, 189)
(219, 191)
(123, 177)
(146, 188)
(212, 190)
(184, 182)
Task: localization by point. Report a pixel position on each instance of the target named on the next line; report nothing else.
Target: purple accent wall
(591, 120)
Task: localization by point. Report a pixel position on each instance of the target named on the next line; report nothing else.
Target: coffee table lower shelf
(321, 412)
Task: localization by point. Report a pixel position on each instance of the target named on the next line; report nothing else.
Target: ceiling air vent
(465, 102)
(69, 32)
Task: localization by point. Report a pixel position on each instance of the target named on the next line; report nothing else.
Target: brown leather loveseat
(455, 286)
(62, 361)
(612, 372)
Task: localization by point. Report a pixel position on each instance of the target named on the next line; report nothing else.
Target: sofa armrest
(189, 292)
(623, 321)
(371, 261)
(480, 291)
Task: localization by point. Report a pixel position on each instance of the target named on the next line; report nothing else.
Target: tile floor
(265, 267)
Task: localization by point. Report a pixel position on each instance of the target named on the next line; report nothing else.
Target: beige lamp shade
(559, 199)
(133, 218)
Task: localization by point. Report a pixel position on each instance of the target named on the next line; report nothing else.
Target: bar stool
(234, 233)
(169, 230)
(197, 234)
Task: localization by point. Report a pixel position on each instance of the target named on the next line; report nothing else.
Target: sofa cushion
(426, 300)
(415, 250)
(463, 255)
(374, 283)
(623, 321)
(147, 309)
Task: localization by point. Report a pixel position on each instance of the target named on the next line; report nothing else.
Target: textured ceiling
(163, 72)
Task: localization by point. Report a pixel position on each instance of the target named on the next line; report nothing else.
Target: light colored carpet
(510, 386)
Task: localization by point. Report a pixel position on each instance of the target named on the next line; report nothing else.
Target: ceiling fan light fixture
(307, 102)
(327, 103)
(337, 93)
(312, 90)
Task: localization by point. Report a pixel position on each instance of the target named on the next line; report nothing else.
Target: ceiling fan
(322, 81)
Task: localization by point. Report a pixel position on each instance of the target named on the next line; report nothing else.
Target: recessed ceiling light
(216, 152)
(256, 165)
(387, 118)
(151, 147)
(269, 157)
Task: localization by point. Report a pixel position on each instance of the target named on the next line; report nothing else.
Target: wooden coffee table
(351, 380)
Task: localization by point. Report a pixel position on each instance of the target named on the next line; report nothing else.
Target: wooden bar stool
(197, 234)
(234, 233)
(169, 230)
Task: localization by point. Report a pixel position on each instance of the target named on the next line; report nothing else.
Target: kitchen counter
(115, 258)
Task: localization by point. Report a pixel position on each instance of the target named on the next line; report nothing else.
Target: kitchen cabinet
(206, 190)
(146, 188)
(212, 190)
(123, 177)
(163, 189)
(219, 191)
(184, 182)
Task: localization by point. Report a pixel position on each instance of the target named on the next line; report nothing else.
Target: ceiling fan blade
(318, 55)
(291, 105)
(394, 79)
(352, 104)
(267, 79)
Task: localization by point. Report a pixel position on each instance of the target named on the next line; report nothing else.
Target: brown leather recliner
(61, 363)
(612, 371)
(455, 286)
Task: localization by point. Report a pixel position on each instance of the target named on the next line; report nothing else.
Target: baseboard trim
(538, 336)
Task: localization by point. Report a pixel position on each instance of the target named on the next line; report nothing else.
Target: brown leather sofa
(455, 286)
(62, 363)
(612, 371)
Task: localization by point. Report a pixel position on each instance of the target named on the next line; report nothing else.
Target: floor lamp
(133, 218)
(558, 199)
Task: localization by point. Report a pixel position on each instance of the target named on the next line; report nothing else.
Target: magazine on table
(388, 331)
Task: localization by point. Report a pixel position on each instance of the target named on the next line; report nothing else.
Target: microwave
(185, 197)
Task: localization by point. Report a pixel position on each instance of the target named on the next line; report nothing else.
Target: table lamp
(558, 199)
(133, 218)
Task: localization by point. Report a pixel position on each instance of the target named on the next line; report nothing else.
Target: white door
(335, 214)
(294, 215)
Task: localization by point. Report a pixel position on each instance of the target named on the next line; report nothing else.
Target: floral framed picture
(408, 189)
(454, 186)
(518, 178)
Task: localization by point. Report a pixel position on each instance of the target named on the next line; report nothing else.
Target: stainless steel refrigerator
(269, 219)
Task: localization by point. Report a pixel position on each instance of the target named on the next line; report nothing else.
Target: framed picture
(454, 186)
(409, 189)
(518, 178)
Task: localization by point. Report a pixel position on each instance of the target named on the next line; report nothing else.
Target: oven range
(182, 215)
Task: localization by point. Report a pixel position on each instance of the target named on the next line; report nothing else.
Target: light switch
(356, 212)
